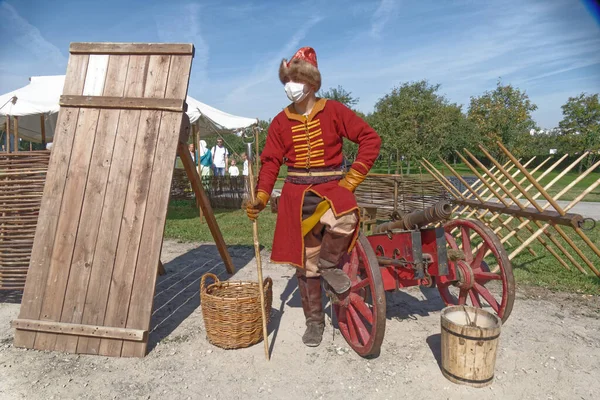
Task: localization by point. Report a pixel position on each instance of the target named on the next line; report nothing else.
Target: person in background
(192, 150)
(205, 159)
(233, 169)
(245, 169)
(220, 157)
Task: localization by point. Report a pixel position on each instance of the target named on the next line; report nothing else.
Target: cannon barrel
(416, 219)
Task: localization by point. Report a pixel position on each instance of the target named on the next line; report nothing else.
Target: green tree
(415, 121)
(340, 94)
(542, 141)
(580, 126)
(503, 114)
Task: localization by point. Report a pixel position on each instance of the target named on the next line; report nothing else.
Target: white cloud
(25, 51)
(266, 70)
(182, 25)
(28, 37)
(381, 17)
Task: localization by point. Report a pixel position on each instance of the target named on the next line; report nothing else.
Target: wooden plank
(572, 220)
(128, 249)
(51, 202)
(132, 48)
(68, 223)
(204, 203)
(93, 201)
(133, 103)
(64, 328)
(131, 228)
(96, 76)
(112, 210)
(140, 307)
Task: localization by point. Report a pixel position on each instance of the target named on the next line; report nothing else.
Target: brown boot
(333, 248)
(310, 292)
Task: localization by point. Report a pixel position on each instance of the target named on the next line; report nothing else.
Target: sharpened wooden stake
(480, 199)
(559, 209)
(538, 223)
(257, 252)
(499, 197)
(567, 208)
(539, 178)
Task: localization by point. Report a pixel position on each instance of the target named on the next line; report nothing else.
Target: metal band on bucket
(474, 338)
(458, 378)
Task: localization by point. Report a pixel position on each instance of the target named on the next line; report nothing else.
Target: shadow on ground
(401, 305)
(11, 296)
(177, 293)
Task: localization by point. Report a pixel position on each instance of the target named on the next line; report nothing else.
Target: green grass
(541, 270)
(183, 224)
(544, 270)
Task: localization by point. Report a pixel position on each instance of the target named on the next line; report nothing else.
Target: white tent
(39, 101)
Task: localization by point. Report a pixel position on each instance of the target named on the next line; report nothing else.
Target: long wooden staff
(257, 252)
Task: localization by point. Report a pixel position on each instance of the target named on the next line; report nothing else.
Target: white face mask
(295, 91)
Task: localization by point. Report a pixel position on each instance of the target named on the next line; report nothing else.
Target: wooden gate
(97, 244)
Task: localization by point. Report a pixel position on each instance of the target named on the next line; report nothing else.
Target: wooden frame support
(43, 128)
(16, 134)
(204, 203)
(105, 332)
(573, 220)
(123, 103)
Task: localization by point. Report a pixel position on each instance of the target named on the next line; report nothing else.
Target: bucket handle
(204, 277)
(472, 324)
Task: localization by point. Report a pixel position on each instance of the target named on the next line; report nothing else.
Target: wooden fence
(226, 192)
(401, 193)
(22, 178)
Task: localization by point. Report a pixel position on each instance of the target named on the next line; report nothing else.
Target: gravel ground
(549, 349)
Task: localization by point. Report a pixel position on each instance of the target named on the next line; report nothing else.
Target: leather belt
(316, 173)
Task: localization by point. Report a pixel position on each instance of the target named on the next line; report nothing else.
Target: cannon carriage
(471, 268)
(463, 258)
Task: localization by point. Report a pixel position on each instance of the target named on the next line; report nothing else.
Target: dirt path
(549, 349)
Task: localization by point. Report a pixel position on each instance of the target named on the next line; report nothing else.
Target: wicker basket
(231, 311)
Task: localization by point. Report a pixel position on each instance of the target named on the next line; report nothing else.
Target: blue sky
(550, 48)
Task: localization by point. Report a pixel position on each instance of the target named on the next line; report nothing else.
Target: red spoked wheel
(361, 314)
(474, 280)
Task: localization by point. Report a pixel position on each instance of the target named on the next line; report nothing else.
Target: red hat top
(307, 54)
(302, 67)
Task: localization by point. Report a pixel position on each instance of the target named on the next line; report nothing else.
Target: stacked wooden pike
(508, 204)
(22, 178)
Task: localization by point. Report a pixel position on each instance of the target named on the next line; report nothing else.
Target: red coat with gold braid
(313, 141)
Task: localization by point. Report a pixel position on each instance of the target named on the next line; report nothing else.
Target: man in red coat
(317, 211)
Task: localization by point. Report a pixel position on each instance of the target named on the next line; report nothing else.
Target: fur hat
(302, 68)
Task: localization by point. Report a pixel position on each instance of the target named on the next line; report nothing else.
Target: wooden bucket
(469, 342)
